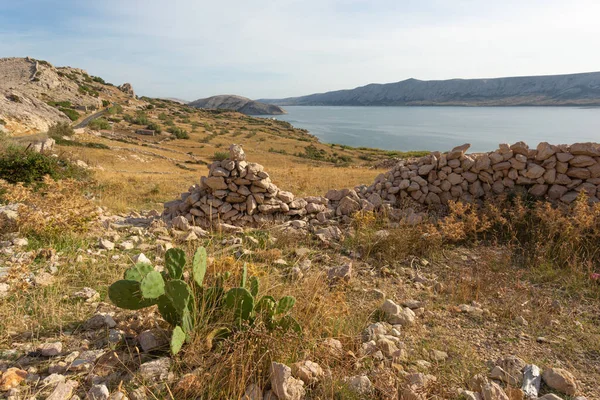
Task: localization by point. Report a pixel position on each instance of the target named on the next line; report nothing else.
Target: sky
(191, 49)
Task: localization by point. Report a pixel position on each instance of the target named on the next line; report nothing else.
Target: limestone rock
(307, 371)
(50, 349)
(561, 380)
(64, 390)
(98, 392)
(360, 384)
(284, 385)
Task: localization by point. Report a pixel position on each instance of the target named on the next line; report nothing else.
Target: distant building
(148, 132)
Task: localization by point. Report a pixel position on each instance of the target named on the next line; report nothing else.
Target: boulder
(561, 380)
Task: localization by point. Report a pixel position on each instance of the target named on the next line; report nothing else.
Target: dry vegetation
(513, 257)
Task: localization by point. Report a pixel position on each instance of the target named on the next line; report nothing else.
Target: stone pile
(241, 193)
(554, 172)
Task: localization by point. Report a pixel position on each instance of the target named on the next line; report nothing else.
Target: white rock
(284, 385)
(307, 371)
(98, 392)
(360, 384)
(106, 244)
(50, 349)
(141, 259)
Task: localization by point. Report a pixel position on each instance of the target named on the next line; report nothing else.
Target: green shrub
(2, 122)
(140, 119)
(98, 79)
(116, 109)
(84, 89)
(60, 129)
(17, 164)
(72, 114)
(105, 103)
(162, 116)
(74, 143)
(178, 133)
(187, 304)
(64, 104)
(154, 127)
(99, 124)
(220, 155)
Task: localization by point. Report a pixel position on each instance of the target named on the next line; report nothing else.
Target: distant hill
(551, 90)
(238, 103)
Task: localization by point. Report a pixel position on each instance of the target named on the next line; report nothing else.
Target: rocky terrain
(35, 95)
(237, 103)
(362, 273)
(552, 90)
(464, 324)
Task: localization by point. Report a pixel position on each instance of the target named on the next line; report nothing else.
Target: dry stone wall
(554, 172)
(240, 193)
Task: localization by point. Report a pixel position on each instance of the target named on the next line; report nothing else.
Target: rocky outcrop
(127, 89)
(237, 103)
(26, 87)
(552, 90)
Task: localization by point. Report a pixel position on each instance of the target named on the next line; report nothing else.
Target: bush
(116, 109)
(105, 103)
(178, 133)
(72, 114)
(140, 119)
(162, 116)
(154, 127)
(64, 104)
(98, 79)
(60, 129)
(220, 155)
(18, 165)
(99, 124)
(73, 143)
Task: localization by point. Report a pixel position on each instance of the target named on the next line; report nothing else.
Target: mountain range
(581, 89)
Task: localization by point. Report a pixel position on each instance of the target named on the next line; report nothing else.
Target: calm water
(441, 128)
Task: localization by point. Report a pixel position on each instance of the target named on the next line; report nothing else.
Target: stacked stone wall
(240, 193)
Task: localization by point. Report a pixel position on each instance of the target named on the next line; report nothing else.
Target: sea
(442, 128)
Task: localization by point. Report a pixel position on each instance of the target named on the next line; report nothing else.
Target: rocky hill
(238, 103)
(34, 94)
(551, 90)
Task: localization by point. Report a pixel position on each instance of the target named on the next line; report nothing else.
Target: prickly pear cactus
(152, 286)
(241, 302)
(174, 263)
(177, 339)
(127, 294)
(199, 266)
(137, 272)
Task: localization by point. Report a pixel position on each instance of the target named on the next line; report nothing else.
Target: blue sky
(197, 48)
